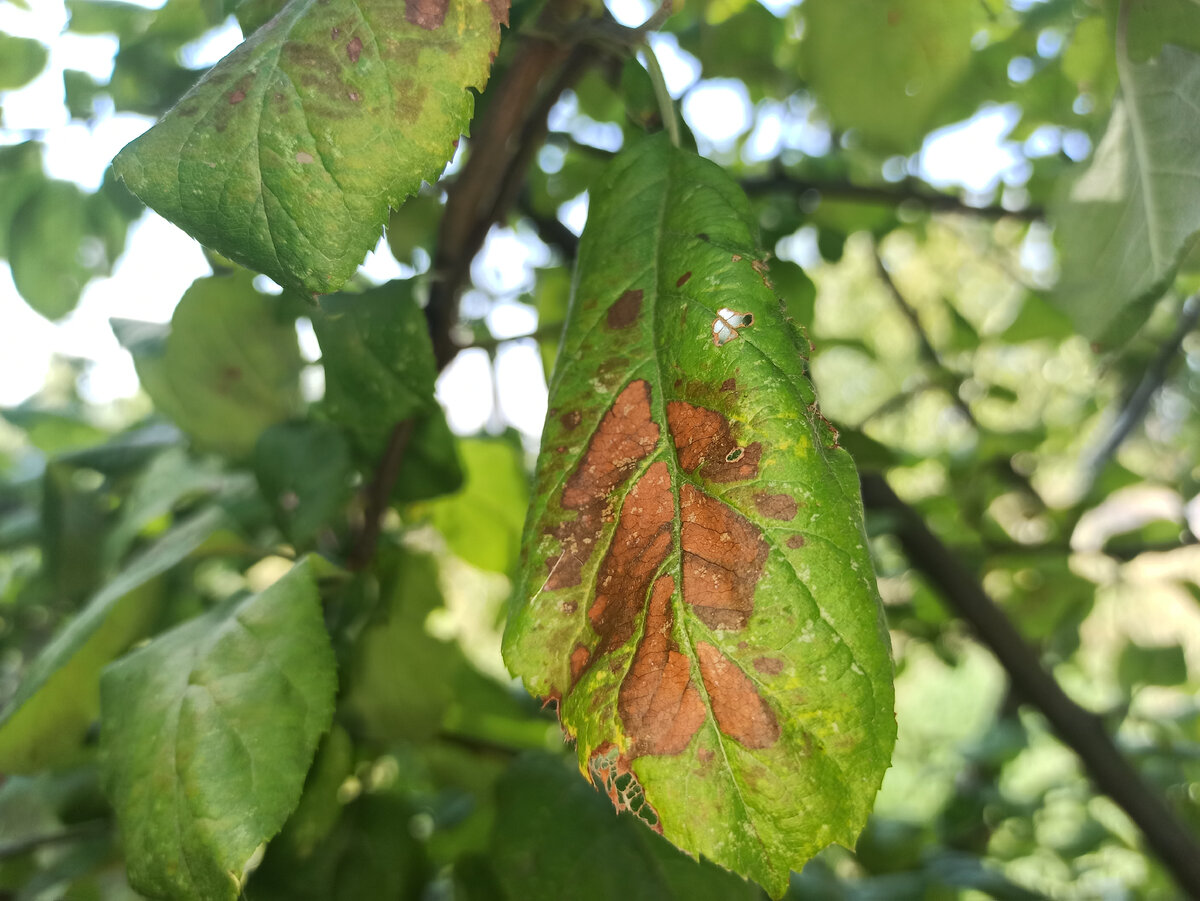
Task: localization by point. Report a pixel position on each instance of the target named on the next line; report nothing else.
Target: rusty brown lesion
(723, 559)
(704, 442)
(626, 435)
(625, 309)
(740, 711)
(659, 704)
(776, 506)
(796, 542)
(427, 14)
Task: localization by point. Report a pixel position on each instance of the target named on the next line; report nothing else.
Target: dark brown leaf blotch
(723, 559)
(624, 312)
(704, 442)
(776, 506)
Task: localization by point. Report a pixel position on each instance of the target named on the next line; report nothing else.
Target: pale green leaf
(287, 155)
(21, 59)
(228, 368)
(1123, 225)
(44, 248)
(885, 69)
(207, 734)
(697, 591)
(58, 698)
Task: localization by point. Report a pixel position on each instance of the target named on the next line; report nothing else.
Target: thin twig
(379, 495)
(903, 192)
(1080, 729)
(542, 332)
(1134, 410)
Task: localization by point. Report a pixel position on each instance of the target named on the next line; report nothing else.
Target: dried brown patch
(499, 9)
(771, 666)
(640, 545)
(580, 656)
(427, 14)
(723, 559)
(682, 280)
(658, 702)
(571, 420)
(740, 711)
(729, 384)
(625, 437)
(796, 541)
(624, 312)
(354, 49)
(704, 441)
(776, 506)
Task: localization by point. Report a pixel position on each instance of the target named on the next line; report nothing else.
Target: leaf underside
(1127, 220)
(287, 155)
(697, 593)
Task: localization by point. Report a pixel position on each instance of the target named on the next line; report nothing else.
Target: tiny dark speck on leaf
(683, 279)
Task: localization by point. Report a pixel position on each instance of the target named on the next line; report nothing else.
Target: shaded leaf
(552, 830)
(885, 68)
(21, 59)
(44, 248)
(286, 156)
(1125, 222)
(58, 698)
(207, 734)
(1140, 665)
(698, 591)
(228, 368)
(304, 470)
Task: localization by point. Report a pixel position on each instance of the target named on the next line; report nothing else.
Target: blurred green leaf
(229, 367)
(21, 59)
(208, 732)
(58, 698)
(1139, 665)
(304, 470)
(44, 248)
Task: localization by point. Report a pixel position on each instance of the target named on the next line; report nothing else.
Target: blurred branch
(22, 846)
(550, 229)
(1080, 729)
(549, 330)
(903, 192)
(379, 494)
(1134, 410)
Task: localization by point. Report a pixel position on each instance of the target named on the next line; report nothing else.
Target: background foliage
(1013, 366)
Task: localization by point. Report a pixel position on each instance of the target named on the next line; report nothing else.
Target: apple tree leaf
(697, 592)
(287, 155)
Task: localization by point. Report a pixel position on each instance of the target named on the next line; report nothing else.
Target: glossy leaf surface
(697, 593)
(287, 155)
(207, 734)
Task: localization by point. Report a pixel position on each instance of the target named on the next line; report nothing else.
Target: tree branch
(903, 192)
(379, 494)
(1080, 729)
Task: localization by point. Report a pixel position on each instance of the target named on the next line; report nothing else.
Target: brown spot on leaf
(723, 558)
(427, 14)
(499, 10)
(302, 157)
(571, 420)
(568, 607)
(796, 541)
(641, 543)
(188, 109)
(772, 666)
(739, 709)
(626, 435)
(658, 702)
(354, 48)
(729, 385)
(579, 661)
(353, 95)
(682, 280)
(706, 755)
(704, 442)
(776, 506)
(624, 312)
(237, 97)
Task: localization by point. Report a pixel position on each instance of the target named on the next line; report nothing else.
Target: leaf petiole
(666, 105)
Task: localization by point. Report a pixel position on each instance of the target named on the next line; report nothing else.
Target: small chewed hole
(734, 455)
(727, 323)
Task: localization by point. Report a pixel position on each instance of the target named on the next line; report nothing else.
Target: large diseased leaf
(1124, 224)
(207, 734)
(698, 593)
(287, 155)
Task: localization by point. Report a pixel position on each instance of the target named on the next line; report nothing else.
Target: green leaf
(20, 176)
(885, 68)
(287, 155)
(380, 371)
(1124, 223)
(698, 593)
(228, 369)
(482, 522)
(555, 837)
(304, 470)
(58, 700)
(207, 734)
(1140, 665)
(21, 59)
(43, 248)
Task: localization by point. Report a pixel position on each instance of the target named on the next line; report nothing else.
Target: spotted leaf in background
(697, 592)
(288, 154)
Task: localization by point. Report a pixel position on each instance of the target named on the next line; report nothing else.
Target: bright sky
(161, 261)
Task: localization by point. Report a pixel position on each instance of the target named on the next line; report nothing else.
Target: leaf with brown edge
(287, 155)
(696, 591)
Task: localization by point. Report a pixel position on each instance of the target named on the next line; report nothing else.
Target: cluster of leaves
(250, 638)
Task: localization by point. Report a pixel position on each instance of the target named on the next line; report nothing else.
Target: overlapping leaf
(697, 593)
(1124, 224)
(287, 155)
